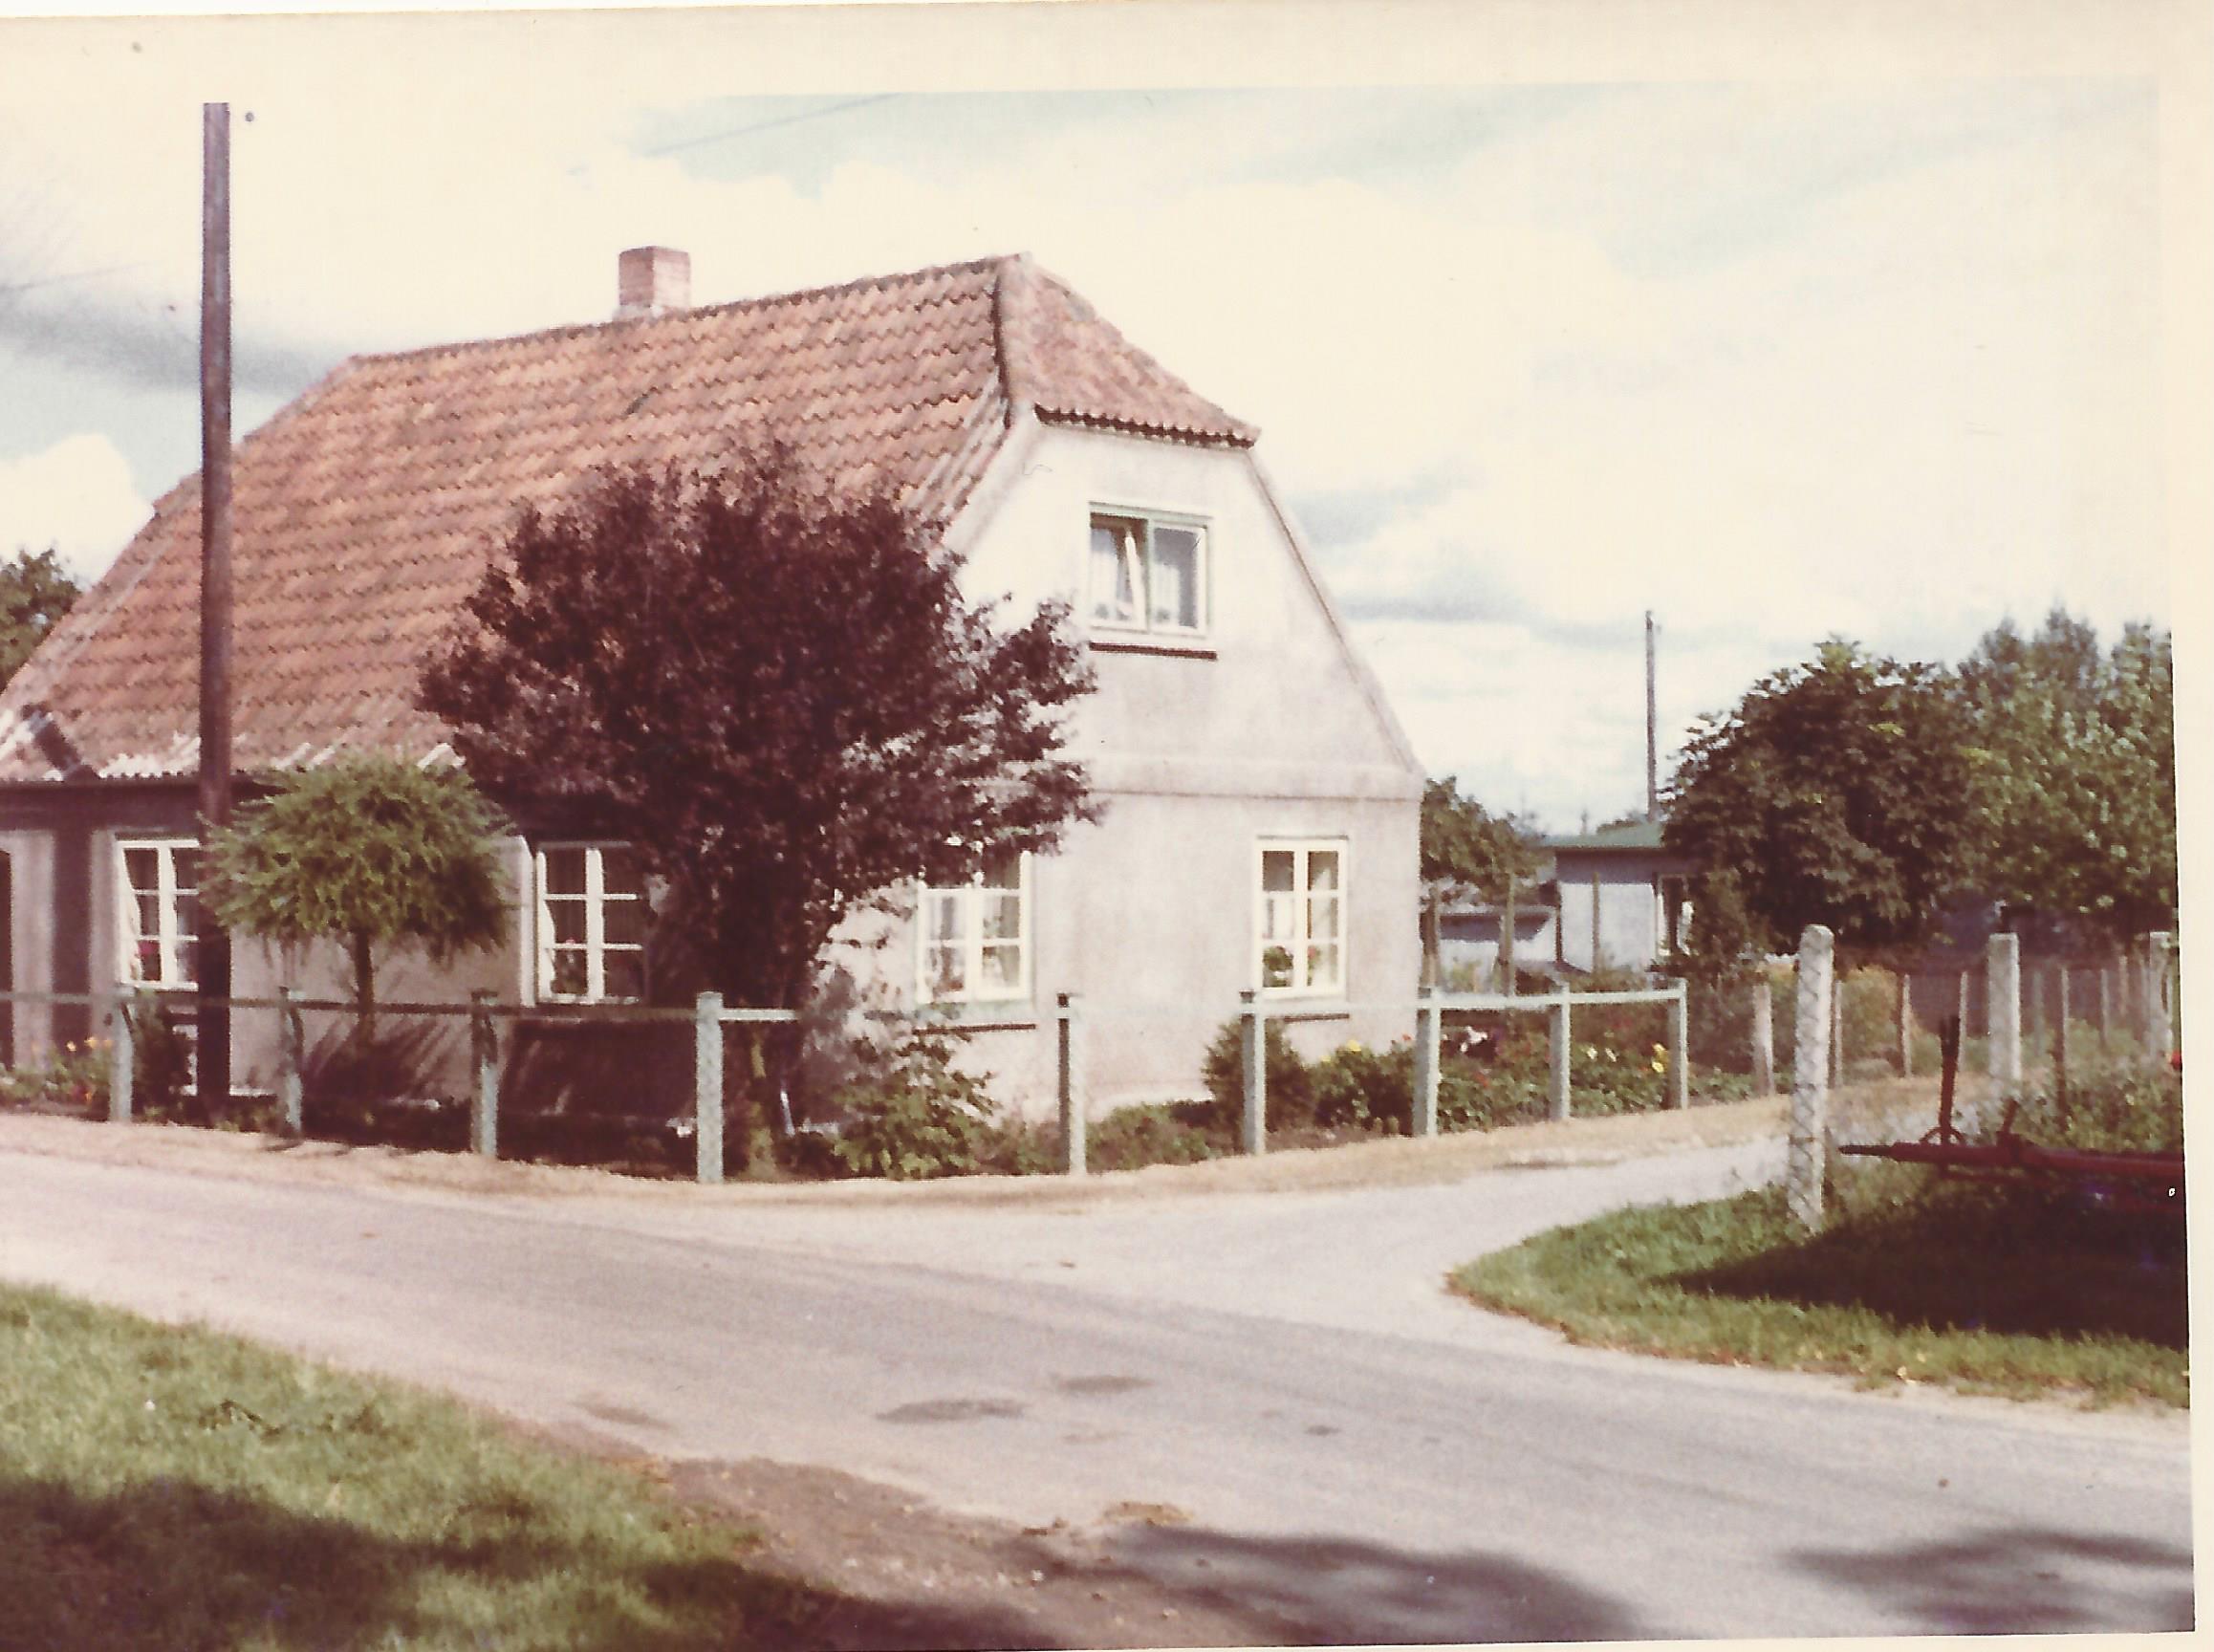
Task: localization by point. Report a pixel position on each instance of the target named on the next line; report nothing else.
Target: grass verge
(1977, 1286)
(176, 1489)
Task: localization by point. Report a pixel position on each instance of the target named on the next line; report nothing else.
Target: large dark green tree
(1836, 792)
(2073, 755)
(1469, 852)
(368, 852)
(776, 690)
(36, 592)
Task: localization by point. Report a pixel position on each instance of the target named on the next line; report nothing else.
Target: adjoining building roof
(365, 510)
(1640, 835)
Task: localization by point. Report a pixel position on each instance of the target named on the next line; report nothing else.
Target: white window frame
(1202, 576)
(970, 898)
(172, 976)
(595, 900)
(1302, 915)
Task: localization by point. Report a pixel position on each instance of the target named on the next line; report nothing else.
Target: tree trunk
(364, 990)
(1507, 938)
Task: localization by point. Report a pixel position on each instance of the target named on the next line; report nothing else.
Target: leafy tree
(34, 593)
(369, 851)
(2073, 750)
(1835, 793)
(776, 691)
(1468, 852)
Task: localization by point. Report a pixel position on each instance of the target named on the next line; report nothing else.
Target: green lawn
(173, 1488)
(1979, 1287)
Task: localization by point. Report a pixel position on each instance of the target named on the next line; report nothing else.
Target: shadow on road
(2021, 1579)
(1331, 1589)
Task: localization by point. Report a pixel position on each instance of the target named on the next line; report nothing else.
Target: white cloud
(77, 496)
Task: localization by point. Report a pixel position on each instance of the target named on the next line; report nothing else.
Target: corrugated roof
(1642, 835)
(365, 510)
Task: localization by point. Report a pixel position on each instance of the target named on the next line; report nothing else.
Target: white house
(1261, 821)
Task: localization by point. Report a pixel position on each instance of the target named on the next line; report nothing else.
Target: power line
(766, 125)
(730, 132)
(73, 275)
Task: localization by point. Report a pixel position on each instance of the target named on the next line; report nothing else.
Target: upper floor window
(1299, 917)
(1148, 574)
(975, 936)
(592, 924)
(160, 911)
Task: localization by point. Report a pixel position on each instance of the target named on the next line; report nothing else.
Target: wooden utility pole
(212, 976)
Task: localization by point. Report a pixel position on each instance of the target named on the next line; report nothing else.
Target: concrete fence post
(2105, 1008)
(1836, 1026)
(485, 1099)
(1960, 1003)
(1067, 1083)
(1254, 1068)
(707, 1086)
(1803, 1162)
(1679, 1047)
(1557, 1015)
(2003, 1006)
(1905, 1024)
(1429, 1041)
(1763, 1036)
(122, 1063)
(2160, 993)
(292, 1056)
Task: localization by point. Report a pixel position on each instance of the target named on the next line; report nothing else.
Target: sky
(1888, 352)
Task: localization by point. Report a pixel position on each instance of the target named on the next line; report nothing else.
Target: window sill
(959, 1018)
(1298, 1009)
(1164, 648)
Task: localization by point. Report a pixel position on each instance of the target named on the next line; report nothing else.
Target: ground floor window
(592, 924)
(1299, 917)
(975, 936)
(160, 911)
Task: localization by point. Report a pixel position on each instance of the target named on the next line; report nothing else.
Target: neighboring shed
(1620, 900)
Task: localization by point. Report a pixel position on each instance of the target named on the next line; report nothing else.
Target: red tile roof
(364, 511)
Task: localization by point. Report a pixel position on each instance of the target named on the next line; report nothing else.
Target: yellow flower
(1591, 1051)
(1350, 1047)
(1660, 1050)
(1659, 1064)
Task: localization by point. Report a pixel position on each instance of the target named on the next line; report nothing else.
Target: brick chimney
(652, 281)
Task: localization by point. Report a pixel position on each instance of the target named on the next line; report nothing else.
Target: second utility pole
(1652, 730)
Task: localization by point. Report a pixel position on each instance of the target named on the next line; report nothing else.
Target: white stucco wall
(1267, 726)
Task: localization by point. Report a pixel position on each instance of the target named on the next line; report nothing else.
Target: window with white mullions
(161, 912)
(1148, 574)
(592, 924)
(975, 936)
(1299, 917)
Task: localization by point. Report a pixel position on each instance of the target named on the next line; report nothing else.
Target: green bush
(1365, 1089)
(913, 1115)
(1156, 1133)
(1290, 1088)
(2123, 1107)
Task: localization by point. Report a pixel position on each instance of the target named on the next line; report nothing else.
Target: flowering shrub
(75, 1074)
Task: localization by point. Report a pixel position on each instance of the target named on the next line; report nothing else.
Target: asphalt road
(1353, 1449)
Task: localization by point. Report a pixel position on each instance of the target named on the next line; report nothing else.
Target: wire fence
(591, 1083)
